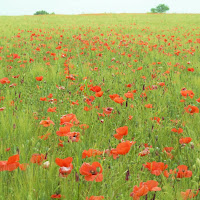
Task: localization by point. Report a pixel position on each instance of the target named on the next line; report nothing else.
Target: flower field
(99, 107)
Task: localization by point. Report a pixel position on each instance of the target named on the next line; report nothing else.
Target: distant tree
(41, 12)
(161, 8)
(153, 10)
(53, 13)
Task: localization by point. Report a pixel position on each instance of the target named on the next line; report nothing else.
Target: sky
(29, 7)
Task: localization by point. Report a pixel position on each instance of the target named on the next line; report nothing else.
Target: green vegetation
(161, 8)
(42, 12)
(101, 72)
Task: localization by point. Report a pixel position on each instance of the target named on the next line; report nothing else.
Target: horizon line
(106, 13)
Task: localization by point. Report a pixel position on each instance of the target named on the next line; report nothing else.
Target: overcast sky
(29, 7)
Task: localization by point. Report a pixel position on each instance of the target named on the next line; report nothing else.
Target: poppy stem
(154, 196)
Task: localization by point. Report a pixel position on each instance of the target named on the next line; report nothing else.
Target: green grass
(135, 34)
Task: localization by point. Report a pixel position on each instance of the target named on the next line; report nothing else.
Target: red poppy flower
(92, 172)
(128, 95)
(95, 198)
(180, 130)
(56, 196)
(183, 172)
(124, 147)
(139, 68)
(44, 137)
(145, 152)
(186, 93)
(43, 98)
(155, 168)
(156, 119)
(63, 131)
(112, 152)
(113, 96)
(4, 80)
(37, 158)
(2, 108)
(90, 153)
(107, 110)
(58, 47)
(167, 150)
(11, 164)
(90, 100)
(65, 166)
(84, 126)
(139, 191)
(185, 140)
(191, 109)
(144, 188)
(152, 185)
(190, 69)
(51, 109)
(68, 118)
(171, 172)
(148, 106)
(119, 100)
(39, 78)
(73, 136)
(121, 131)
(161, 84)
(99, 94)
(95, 89)
(47, 122)
(189, 194)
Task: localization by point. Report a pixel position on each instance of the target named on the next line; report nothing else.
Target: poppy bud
(127, 175)
(8, 149)
(76, 177)
(151, 150)
(192, 145)
(46, 164)
(183, 145)
(98, 169)
(198, 162)
(194, 167)
(156, 137)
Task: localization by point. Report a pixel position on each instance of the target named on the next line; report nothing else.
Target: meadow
(100, 107)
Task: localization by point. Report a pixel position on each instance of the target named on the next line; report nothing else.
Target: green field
(125, 86)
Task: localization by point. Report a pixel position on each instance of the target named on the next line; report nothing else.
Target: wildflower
(4, 80)
(191, 109)
(121, 131)
(95, 198)
(185, 140)
(189, 194)
(124, 147)
(11, 164)
(65, 166)
(39, 78)
(155, 168)
(63, 131)
(92, 172)
(37, 158)
(56, 196)
(144, 188)
(90, 153)
(183, 172)
(47, 123)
